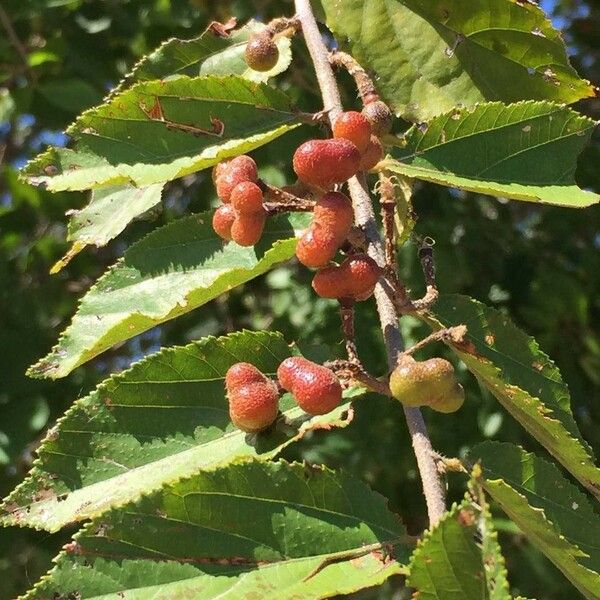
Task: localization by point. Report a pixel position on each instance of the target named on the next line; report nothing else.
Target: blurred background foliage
(539, 264)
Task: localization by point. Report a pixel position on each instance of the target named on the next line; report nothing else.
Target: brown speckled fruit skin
(247, 229)
(253, 398)
(223, 220)
(380, 117)
(428, 383)
(247, 197)
(354, 279)
(261, 52)
(353, 126)
(372, 155)
(323, 163)
(316, 388)
(332, 219)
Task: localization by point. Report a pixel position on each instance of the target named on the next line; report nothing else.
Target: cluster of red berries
(242, 217)
(254, 398)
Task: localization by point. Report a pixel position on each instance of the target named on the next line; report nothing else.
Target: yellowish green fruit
(428, 383)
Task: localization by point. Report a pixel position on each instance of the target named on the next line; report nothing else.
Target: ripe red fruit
(334, 212)
(372, 155)
(323, 163)
(316, 388)
(247, 197)
(253, 398)
(332, 219)
(261, 52)
(353, 126)
(380, 117)
(248, 227)
(254, 407)
(222, 221)
(241, 374)
(238, 170)
(316, 248)
(219, 170)
(354, 279)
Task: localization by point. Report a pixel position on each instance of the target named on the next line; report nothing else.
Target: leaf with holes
(524, 380)
(551, 512)
(428, 57)
(526, 151)
(107, 214)
(170, 272)
(158, 131)
(208, 54)
(299, 532)
(164, 418)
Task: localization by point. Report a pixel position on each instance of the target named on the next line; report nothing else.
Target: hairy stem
(433, 487)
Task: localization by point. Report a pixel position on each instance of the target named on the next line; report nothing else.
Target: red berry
(254, 407)
(323, 163)
(353, 126)
(372, 155)
(334, 213)
(354, 279)
(261, 52)
(223, 220)
(316, 388)
(219, 170)
(316, 248)
(247, 228)
(380, 117)
(247, 197)
(241, 374)
(238, 170)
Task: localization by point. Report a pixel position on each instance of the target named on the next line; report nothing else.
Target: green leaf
(107, 214)
(208, 54)
(249, 530)
(170, 272)
(158, 131)
(163, 419)
(448, 563)
(526, 151)
(524, 380)
(554, 515)
(428, 57)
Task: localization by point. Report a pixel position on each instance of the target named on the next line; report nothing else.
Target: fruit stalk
(433, 487)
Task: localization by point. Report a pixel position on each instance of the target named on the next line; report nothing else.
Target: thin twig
(453, 335)
(364, 84)
(387, 200)
(348, 369)
(347, 315)
(432, 483)
(14, 40)
(280, 201)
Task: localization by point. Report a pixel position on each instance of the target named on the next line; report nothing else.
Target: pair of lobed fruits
(319, 164)
(254, 398)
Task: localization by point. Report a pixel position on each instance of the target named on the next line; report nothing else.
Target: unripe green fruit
(247, 197)
(261, 52)
(429, 383)
(223, 220)
(353, 126)
(372, 155)
(316, 388)
(247, 229)
(380, 117)
(323, 163)
(253, 398)
(355, 279)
